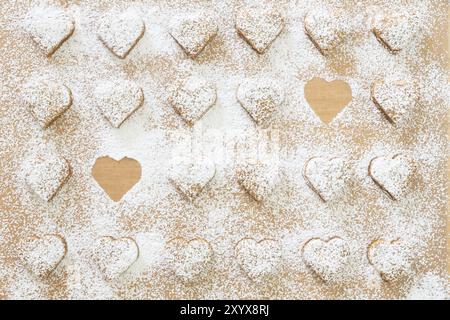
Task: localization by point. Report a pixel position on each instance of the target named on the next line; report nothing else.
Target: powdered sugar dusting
(45, 174)
(190, 259)
(118, 99)
(328, 258)
(392, 259)
(259, 26)
(322, 26)
(193, 32)
(193, 97)
(46, 100)
(394, 98)
(115, 256)
(392, 174)
(327, 176)
(260, 260)
(223, 213)
(49, 27)
(43, 255)
(120, 32)
(260, 98)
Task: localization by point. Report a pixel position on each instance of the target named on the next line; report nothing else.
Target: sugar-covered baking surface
(154, 212)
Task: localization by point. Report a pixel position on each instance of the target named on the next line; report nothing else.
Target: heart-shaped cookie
(327, 258)
(49, 27)
(193, 33)
(259, 259)
(46, 173)
(118, 100)
(120, 32)
(259, 27)
(258, 179)
(189, 259)
(193, 98)
(394, 98)
(327, 98)
(115, 256)
(326, 176)
(392, 174)
(323, 30)
(42, 255)
(190, 175)
(392, 259)
(107, 171)
(260, 98)
(46, 100)
(393, 31)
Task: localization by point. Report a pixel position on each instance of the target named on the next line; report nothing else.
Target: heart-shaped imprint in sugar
(190, 175)
(258, 178)
(193, 32)
(190, 260)
(327, 98)
(120, 32)
(193, 98)
(116, 178)
(49, 27)
(260, 97)
(327, 258)
(322, 28)
(118, 100)
(259, 26)
(392, 174)
(114, 256)
(392, 259)
(46, 100)
(42, 255)
(394, 98)
(46, 173)
(327, 177)
(393, 30)
(260, 260)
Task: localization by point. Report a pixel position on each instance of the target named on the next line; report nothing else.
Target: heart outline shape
(314, 185)
(390, 33)
(259, 270)
(331, 35)
(117, 100)
(389, 271)
(37, 26)
(112, 28)
(107, 171)
(392, 101)
(47, 175)
(47, 100)
(394, 192)
(259, 27)
(258, 179)
(261, 98)
(190, 176)
(112, 260)
(38, 256)
(190, 259)
(193, 98)
(326, 272)
(327, 98)
(193, 33)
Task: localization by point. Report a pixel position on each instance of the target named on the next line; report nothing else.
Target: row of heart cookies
(42, 254)
(193, 96)
(190, 259)
(328, 177)
(259, 26)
